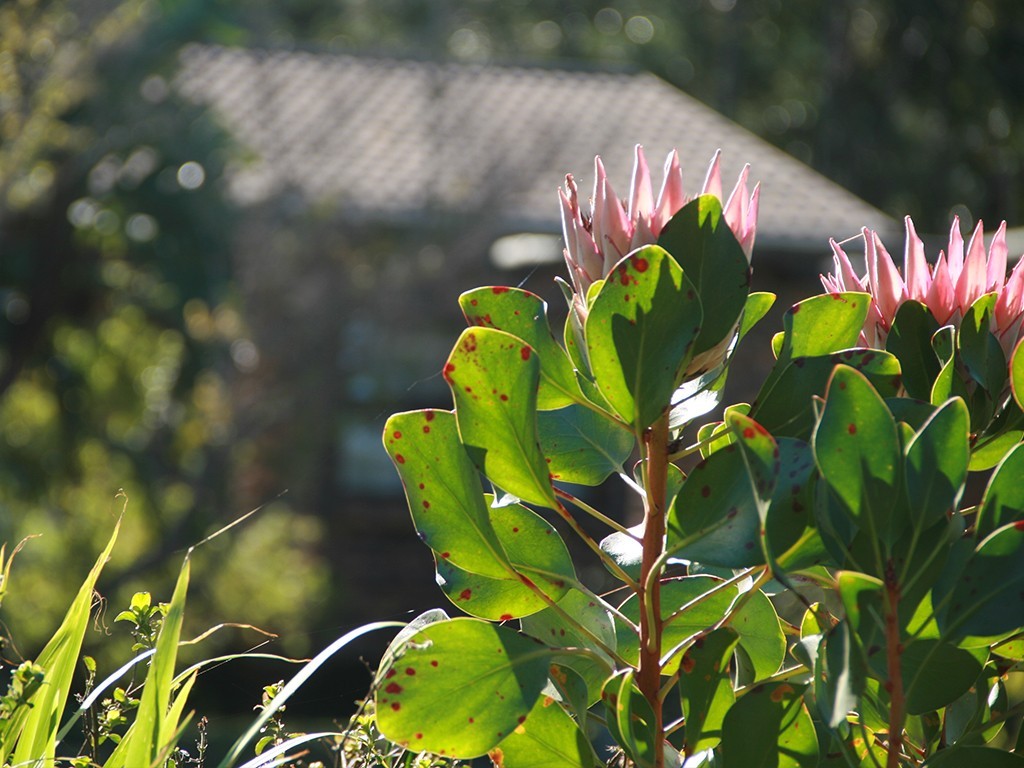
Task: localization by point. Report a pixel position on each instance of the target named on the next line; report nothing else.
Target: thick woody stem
(656, 443)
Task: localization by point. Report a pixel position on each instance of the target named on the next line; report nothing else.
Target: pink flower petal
(845, 276)
(611, 228)
(641, 198)
(713, 180)
(997, 253)
(955, 257)
(581, 254)
(971, 283)
(885, 281)
(747, 238)
(735, 210)
(672, 197)
(940, 298)
(1011, 299)
(915, 266)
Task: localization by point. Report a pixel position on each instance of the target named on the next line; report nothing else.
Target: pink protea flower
(614, 227)
(948, 288)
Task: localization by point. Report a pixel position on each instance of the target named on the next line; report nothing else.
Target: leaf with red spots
(589, 612)
(581, 446)
(857, 450)
(442, 487)
(714, 519)
(700, 240)
(640, 332)
(694, 611)
(785, 403)
(548, 738)
(534, 549)
(936, 464)
(986, 597)
(524, 314)
(705, 687)
(770, 726)
(474, 683)
(493, 376)
(1004, 497)
(824, 324)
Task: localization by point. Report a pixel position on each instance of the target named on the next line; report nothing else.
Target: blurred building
(380, 189)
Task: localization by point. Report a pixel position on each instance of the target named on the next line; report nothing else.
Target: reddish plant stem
(656, 440)
(894, 650)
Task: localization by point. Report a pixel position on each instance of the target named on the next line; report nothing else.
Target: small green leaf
(493, 376)
(458, 687)
(770, 727)
(1003, 501)
(839, 675)
(442, 487)
(705, 687)
(990, 451)
(640, 333)
(1017, 374)
(936, 464)
(524, 315)
(582, 446)
(549, 738)
(534, 549)
(757, 306)
(910, 340)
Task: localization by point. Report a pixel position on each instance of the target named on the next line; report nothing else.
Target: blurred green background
(138, 352)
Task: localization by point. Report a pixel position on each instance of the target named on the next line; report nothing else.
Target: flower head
(614, 227)
(948, 288)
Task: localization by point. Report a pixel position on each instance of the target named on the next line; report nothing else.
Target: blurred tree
(119, 328)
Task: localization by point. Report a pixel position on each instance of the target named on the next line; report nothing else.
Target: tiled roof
(391, 139)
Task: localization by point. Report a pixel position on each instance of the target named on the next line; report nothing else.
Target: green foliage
(842, 599)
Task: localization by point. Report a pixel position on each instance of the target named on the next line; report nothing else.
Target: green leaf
(459, 687)
(770, 727)
(785, 404)
(630, 719)
(640, 333)
(1017, 374)
(948, 383)
(791, 534)
(990, 451)
(714, 519)
(705, 687)
(935, 674)
(824, 324)
(910, 340)
(534, 549)
(857, 449)
(549, 738)
(31, 733)
(594, 615)
(980, 351)
(936, 464)
(1003, 501)
(975, 757)
(700, 240)
(442, 487)
(839, 675)
(493, 376)
(760, 634)
(524, 315)
(757, 305)
(582, 446)
(987, 600)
